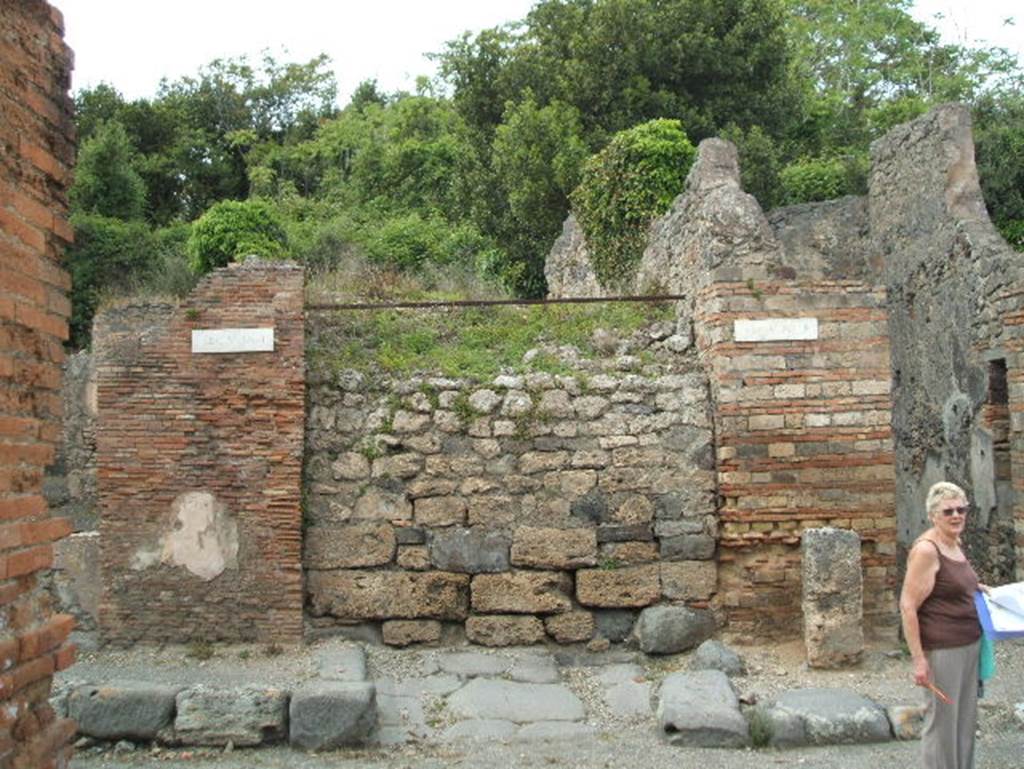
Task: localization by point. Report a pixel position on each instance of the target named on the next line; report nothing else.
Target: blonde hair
(940, 491)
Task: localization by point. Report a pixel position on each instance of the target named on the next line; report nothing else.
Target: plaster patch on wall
(204, 538)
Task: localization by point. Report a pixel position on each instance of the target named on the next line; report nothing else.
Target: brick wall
(804, 440)
(207, 449)
(36, 153)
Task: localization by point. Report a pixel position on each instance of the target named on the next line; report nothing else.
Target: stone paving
(344, 699)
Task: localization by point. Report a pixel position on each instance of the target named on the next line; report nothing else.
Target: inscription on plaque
(775, 330)
(228, 340)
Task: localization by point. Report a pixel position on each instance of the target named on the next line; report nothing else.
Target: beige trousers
(947, 741)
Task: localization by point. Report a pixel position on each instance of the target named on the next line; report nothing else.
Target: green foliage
(232, 229)
(625, 186)
(474, 342)
(536, 159)
(999, 141)
(760, 158)
(106, 183)
(761, 729)
(109, 257)
(823, 178)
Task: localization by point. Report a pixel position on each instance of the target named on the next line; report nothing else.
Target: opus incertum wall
(199, 443)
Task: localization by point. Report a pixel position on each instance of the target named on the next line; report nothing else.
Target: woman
(940, 625)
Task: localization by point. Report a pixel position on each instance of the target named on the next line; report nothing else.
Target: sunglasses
(961, 511)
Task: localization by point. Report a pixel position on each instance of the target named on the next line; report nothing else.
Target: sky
(132, 44)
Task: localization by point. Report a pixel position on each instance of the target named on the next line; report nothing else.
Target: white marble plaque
(228, 340)
(775, 330)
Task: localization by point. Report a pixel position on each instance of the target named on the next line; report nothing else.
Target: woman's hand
(922, 672)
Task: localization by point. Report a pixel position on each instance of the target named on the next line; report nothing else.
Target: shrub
(813, 179)
(232, 229)
(624, 187)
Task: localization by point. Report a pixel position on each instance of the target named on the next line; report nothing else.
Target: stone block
(631, 586)
(689, 547)
(715, 655)
(825, 717)
(615, 624)
(700, 709)
(673, 629)
(688, 580)
(325, 716)
(504, 630)
(123, 710)
(636, 508)
(408, 632)
(522, 592)
(382, 595)
(543, 461)
(496, 510)
(474, 550)
(349, 547)
(629, 553)
(571, 627)
(379, 505)
(243, 716)
(833, 596)
(414, 558)
(351, 467)
(634, 532)
(440, 511)
(544, 548)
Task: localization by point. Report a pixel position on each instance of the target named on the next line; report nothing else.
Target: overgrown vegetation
(472, 175)
(477, 343)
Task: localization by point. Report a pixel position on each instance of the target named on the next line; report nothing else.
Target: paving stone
(347, 664)
(672, 629)
(700, 709)
(554, 730)
(242, 716)
(818, 716)
(619, 673)
(714, 655)
(535, 669)
(518, 702)
(472, 664)
(123, 709)
(329, 715)
(428, 686)
(484, 729)
(629, 699)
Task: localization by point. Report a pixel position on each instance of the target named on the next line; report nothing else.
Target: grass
(475, 343)
(200, 650)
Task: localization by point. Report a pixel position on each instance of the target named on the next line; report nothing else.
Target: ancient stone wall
(528, 507)
(70, 482)
(36, 154)
(199, 462)
(953, 295)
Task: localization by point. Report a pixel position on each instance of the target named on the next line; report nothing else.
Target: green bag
(986, 658)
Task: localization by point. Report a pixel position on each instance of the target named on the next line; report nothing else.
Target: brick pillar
(36, 154)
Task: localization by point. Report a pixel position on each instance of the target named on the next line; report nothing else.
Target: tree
(106, 182)
(999, 140)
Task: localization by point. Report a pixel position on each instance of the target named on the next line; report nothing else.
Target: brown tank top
(947, 617)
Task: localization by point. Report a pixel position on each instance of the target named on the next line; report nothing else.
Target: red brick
(65, 657)
(46, 637)
(24, 506)
(12, 226)
(22, 562)
(49, 530)
(8, 654)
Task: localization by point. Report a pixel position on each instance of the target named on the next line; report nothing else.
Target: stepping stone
(472, 664)
(700, 709)
(330, 715)
(123, 710)
(824, 717)
(510, 701)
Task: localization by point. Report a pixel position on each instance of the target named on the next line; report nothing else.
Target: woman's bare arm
(922, 566)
